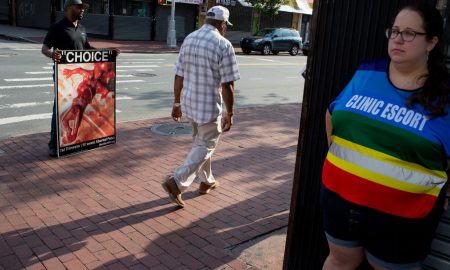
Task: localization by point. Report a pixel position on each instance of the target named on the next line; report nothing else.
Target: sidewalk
(105, 209)
(37, 36)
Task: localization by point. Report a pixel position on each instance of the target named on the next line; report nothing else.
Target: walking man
(205, 72)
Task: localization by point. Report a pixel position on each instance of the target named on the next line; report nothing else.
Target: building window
(138, 8)
(98, 6)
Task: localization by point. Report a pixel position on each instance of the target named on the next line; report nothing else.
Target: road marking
(293, 77)
(140, 59)
(139, 66)
(25, 49)
(123, 98)
(38, 72)
(130, 81)
(47, 67)
(270, 60)
(271, 64)
(16, 119)
(26, 86)
(157, 62)
(23, 105)
(1, 96)
(158, 83)
(50, 85)
(142, 70)
(28, 79)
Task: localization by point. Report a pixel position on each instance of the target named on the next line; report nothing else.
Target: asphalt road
(144, 85)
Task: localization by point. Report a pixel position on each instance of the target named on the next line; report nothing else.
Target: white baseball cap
(219, 13)
(74, 2)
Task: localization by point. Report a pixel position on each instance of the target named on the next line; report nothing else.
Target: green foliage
(266, 6)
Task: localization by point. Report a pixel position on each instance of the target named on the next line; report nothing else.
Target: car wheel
(275, 52)
(246, 51)
(266, 49)
(294, 50)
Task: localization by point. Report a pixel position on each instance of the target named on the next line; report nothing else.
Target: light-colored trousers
(198, 161)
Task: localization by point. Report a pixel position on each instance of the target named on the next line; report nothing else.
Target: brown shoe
(205, 188)
(174, 192)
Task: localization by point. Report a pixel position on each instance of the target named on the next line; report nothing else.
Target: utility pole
(171, 33)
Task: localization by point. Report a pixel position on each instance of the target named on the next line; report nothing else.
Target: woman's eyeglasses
(407, 35)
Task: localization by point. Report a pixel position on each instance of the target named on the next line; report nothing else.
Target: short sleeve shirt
(385, 154)
(64, 35)
(206, 60)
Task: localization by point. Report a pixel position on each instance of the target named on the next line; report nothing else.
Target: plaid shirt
(206, 60)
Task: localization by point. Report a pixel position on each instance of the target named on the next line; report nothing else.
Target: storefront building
(148, 19)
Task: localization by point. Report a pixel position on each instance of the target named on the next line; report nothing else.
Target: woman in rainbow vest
(385, 174)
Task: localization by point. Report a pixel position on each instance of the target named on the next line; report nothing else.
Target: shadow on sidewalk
(107, 207)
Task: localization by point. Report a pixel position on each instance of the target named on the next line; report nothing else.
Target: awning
(195, 2)
(296, 6)
(305, 6)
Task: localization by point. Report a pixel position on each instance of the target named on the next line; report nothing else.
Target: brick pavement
(105, 209)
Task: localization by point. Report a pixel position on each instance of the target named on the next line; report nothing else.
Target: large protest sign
(85, 88)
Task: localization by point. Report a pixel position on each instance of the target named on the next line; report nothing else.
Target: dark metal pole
(344, 33)
(110, 20)
(53, 12)
(12, 13)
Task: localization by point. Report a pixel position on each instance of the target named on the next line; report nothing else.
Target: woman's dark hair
(435, 97)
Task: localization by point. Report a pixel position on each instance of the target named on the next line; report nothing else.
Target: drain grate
(143, 74)
(173, 129)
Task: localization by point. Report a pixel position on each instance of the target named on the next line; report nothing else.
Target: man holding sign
(67, 34)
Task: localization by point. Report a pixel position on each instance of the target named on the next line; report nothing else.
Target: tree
(270, 7)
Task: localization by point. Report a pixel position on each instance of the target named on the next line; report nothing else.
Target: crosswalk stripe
(26, 49)
(130, 81)
(123, 98)
(15, 119)
(50, 85)
(28, 79)
(23, 105)
(38, 72)
(138, 66)
(140, 59)
(153, 62)
(25, 86)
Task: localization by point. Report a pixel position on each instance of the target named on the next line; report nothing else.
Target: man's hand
(56, 55)
(176, 113)
(227, 122)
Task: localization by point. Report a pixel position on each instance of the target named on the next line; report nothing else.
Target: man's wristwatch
(177, 104)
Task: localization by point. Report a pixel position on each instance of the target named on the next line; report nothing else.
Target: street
(144, 85)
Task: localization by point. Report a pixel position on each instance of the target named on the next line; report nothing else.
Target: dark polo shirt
(64, 35)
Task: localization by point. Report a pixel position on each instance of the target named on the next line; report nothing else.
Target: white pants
(198, 161)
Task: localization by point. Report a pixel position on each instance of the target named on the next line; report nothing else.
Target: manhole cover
(173, 129)
(143, 74)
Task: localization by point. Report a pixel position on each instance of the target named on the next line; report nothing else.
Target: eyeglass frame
(389, 36)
